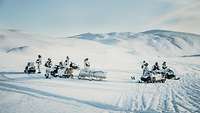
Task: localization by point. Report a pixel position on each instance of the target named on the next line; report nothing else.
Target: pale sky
(72, 17)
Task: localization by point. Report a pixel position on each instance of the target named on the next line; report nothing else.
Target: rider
(86, 64)
(146, 73)
(143, 65)
(61, 65)
(39, 63)
(164, 69)
(48, 63)
(167, 72)
(164, 65)
(48, 66)
(67, 62)
(60, 69)
(156, 68)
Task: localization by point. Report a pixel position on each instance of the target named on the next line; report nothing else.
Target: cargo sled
(86, 74)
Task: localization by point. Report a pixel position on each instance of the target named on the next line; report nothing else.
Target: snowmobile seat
(147, 79)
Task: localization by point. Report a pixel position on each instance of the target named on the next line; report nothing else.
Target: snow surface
(22, 93)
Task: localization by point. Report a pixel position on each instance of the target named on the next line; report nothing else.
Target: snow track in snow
(174, 96)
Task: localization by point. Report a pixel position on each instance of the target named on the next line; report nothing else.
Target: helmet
(39, 56)
(49, 59)
(86, 59)
(156, 63)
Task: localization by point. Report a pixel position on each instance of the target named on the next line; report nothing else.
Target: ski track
(172, 97)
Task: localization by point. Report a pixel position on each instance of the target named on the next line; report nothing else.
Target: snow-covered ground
(119, 54)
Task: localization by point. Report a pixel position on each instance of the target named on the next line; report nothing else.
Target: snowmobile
(30, 68)
(169, 74)
(68, 73)
(54, 71)
(62, 72)
(154, 77)
(86, 74)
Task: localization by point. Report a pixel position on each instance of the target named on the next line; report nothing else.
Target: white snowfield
(121, 59)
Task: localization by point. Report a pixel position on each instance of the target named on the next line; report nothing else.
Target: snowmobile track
(171, 97)
(174, 102)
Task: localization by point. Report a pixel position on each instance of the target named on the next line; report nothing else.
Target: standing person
(66, 62)
(48, 66)
(86, 64)
(61, 69)
(143, 66)
(39, 63)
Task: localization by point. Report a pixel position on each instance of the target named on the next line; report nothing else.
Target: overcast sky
(71, 17)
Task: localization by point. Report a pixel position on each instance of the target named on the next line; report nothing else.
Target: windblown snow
(119, 54)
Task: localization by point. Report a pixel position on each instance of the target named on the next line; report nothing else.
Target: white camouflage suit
(39, 63)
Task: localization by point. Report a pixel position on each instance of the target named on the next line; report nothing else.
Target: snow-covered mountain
(155, 42)
(105, 38)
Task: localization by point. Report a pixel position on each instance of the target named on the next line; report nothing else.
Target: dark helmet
(146, 64)
(156, 63)
(67, 57)
(49, 59)
(86, 59)
(144, 61)
(164, 63)
(28, 63)
(39, 56)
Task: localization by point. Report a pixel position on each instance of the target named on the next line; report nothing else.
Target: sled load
(89, 74)
(92, 75)
(30, 68)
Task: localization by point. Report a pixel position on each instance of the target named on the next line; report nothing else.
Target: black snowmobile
(54, 71)
(30, 68)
